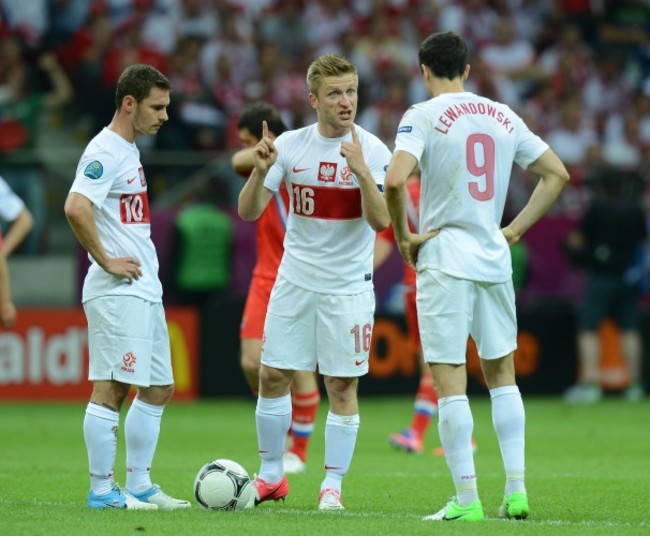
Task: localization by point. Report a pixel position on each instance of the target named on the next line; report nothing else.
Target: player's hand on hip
(352, 152)
(410, 248)
(511, 236)
(124, 267)
(264, 153)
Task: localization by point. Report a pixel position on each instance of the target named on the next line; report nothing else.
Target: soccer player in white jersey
(108, 211)
(321, 309)
(17, 217)
(465, 146)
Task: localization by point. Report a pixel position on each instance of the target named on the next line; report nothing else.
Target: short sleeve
(412, 133)
(96, 173)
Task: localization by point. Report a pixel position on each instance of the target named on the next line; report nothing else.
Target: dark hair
(137, 80)
(252, 116)
(445, 53)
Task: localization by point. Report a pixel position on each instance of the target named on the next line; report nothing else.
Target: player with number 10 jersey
(110, 174)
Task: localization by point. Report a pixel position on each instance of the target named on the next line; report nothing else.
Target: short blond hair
(327, 65)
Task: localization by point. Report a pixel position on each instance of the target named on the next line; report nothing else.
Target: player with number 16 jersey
(328, 244)
(321, 309)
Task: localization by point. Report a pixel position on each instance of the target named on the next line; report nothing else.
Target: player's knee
(157, 395)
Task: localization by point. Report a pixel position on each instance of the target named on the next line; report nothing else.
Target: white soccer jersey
(465, 145)
(10, 204)
(328, 246)
(111, 176)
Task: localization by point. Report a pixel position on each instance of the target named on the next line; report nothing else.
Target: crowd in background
(578, 71)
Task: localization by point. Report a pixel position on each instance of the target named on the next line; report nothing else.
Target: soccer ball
(223, 485)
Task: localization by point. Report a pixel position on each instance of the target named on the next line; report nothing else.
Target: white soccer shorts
(128, 341)
(451, 309)
(306, 330)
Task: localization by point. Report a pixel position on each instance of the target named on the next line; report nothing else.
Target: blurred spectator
(16, 219)
(475, 19)
(607, 244)
(21, 103)
(624, 30)
(232, 43)
(382, 117)
(573, 136)
(83, 57)
(326, 20)
(567, 63)
(606, 91)
(511, 57)
(196, 19)
(195, 120)
(623, 150)
(29, 19)
(273, 28)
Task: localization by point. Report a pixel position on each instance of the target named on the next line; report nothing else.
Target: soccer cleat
(116, 498)
(268, 491)
(514, 506)
(154, 495)
(293, 464)
(408, 441)
(439, 451)
(583, 393)
(330, 499)
(454, 512)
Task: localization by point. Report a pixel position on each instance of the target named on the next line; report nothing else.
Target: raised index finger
(353, 131)
(265, 129)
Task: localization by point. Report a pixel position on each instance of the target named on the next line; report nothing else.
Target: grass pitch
(588, 472)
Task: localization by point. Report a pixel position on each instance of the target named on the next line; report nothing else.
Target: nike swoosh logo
(299, 170)
(359, 363)
(129, 181)
(331, 468)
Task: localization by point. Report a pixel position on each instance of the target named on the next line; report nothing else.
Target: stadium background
(577, 71)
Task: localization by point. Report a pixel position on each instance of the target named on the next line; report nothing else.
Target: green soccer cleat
(514, 506)
(454, 512)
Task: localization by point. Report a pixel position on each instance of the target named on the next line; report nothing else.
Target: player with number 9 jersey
(110, 174)
(464, 127)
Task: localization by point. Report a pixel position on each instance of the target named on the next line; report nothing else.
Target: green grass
(587, 473)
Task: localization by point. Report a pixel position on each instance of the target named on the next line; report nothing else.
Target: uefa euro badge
(94, 170)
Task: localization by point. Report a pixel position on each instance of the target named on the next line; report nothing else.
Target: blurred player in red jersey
(305, 394)
(426, 400)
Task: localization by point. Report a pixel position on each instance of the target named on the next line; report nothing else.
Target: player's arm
(254, 196)
(79, 212)
(7, 307)
(553, 178)
(17, 231)
(372, 201)
(243, 160)
(400, 168)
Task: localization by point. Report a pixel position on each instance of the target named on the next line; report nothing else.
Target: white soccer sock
(509, 420)
(273, 419)
(455, 427)
(141, 429)
(340, 439)
(100, 433)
